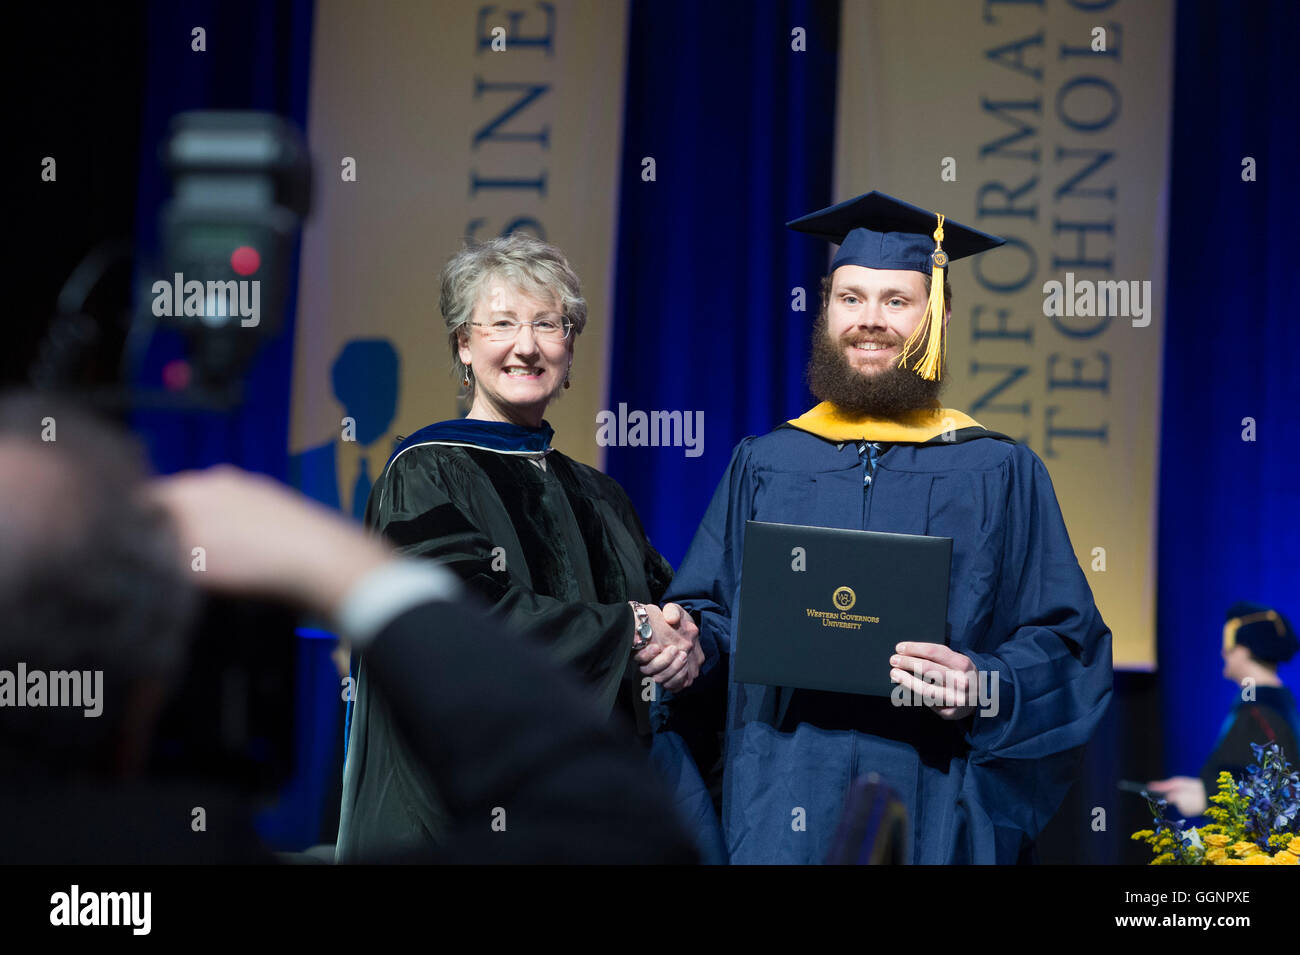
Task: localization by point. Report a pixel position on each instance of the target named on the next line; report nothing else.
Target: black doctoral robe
(1269, 718)
(555, 552)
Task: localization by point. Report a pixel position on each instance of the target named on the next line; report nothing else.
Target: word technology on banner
(1046, 124)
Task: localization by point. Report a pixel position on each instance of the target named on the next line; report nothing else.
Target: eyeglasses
(507, 329)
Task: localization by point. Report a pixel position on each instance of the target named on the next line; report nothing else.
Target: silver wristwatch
(641, 638)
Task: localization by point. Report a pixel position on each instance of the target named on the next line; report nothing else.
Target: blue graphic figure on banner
(365, 376)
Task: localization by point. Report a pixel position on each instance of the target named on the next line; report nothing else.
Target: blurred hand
(263, 539)
(673, 656)
(1185, 793)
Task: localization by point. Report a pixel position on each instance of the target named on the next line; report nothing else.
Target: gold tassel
(1236, 623)
(932, 323)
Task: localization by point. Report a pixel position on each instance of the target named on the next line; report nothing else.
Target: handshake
(673, 655)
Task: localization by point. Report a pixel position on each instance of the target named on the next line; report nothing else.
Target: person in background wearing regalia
(551, 546)
(880, 453)
(1256, 639)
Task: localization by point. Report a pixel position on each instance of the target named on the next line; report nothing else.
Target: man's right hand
(674, 656)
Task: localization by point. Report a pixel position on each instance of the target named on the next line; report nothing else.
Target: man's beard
(888, 393)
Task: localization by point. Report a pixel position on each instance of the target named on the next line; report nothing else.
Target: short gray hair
(534, 266)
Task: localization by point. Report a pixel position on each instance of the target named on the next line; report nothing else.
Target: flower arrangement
(1255, 821)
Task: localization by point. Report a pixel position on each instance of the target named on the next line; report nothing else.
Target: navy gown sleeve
(1053, 668)
(576, 792)
(707, 582)
(688, 725)
(420, 514)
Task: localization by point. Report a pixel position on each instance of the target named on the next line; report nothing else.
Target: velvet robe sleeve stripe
(554, 554)
(596, 498)
(571, 789)
(658, 572)
(437, 503)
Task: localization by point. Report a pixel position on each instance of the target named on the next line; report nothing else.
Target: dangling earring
(566, 379)
(465, 383)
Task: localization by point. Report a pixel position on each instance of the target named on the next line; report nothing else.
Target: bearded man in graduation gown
(880, 453)
(552, 547)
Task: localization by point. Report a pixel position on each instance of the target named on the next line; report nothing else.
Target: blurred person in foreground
(94, 573)
(553, 547)
(93, 599)
(1256, 638)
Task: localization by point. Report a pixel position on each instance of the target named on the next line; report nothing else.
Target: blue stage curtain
(257, 57)
(1229, 508)
(741, 130)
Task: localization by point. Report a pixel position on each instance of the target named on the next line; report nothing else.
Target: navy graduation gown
(976, 790)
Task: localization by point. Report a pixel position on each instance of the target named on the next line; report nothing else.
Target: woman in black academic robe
(1256, 639)
(552, 546)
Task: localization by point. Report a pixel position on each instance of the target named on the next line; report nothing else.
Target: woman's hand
(673, 656)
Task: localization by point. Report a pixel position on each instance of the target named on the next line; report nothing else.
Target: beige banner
(450, 138)
(1046, 123)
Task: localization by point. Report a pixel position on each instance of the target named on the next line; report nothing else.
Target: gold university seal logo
(844, 598)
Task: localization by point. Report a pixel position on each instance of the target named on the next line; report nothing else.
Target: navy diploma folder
(823, 608)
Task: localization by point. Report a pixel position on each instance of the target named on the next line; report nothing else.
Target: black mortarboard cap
(880, 232)
(1262, 630)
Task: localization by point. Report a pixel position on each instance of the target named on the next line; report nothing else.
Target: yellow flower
(1233, 862)
(1143, 834)
(1216, 854)
(1214, 839)
(1163, 859)
(1286, 858)
(1294, 846)
(1258, 859)
(1244, 848)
